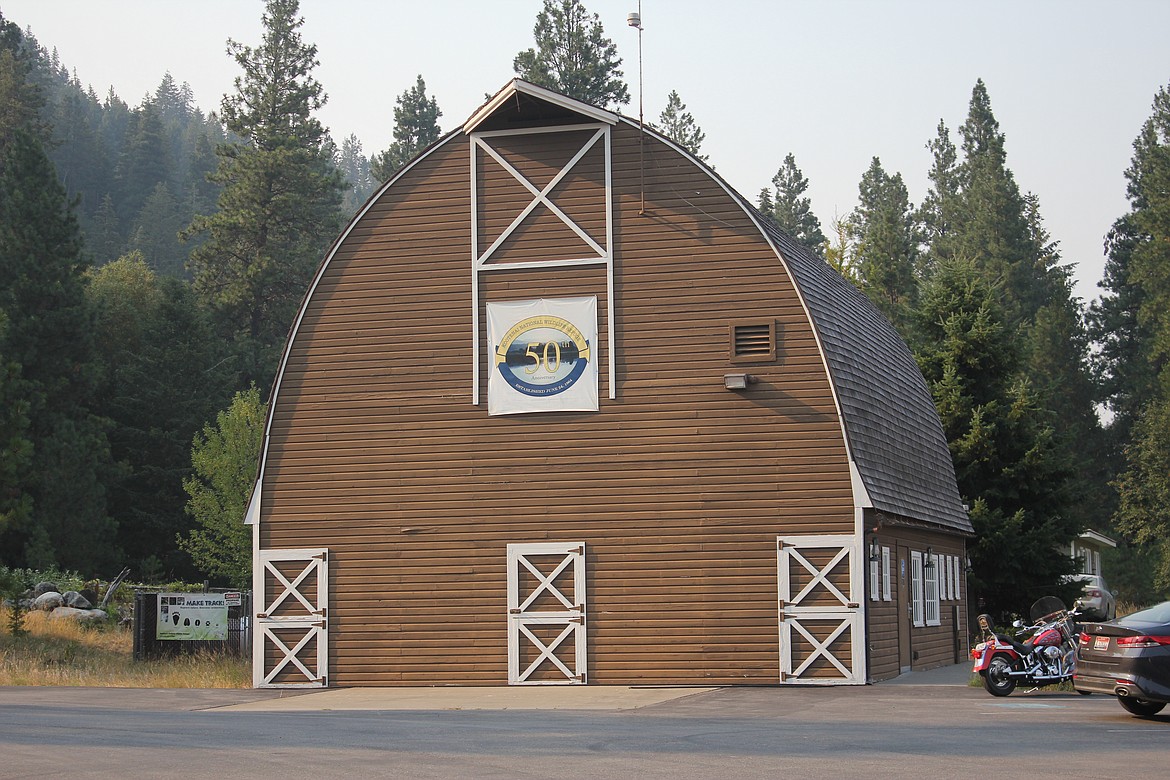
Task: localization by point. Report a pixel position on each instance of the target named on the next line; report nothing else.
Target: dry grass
(66, 653)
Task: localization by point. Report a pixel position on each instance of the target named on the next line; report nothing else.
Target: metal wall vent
(753, 342)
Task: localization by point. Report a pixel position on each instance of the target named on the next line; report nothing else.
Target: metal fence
(147, 645)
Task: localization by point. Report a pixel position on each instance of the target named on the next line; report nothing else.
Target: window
(885, 573)
(945, 579)
(931, 600)
(958, 579)
(873, 580)
(753, 341)
(916, 588)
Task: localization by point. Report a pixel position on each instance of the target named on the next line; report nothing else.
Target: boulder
(48, 601)
(74, 599)
(80, 615)
(45, 587)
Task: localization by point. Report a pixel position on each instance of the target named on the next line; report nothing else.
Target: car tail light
(1093, 593)
(1143, 641)
(1085, 638)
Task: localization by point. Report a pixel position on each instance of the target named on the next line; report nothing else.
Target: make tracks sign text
(192, 616)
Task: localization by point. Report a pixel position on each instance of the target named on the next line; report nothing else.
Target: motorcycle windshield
(1046, 606)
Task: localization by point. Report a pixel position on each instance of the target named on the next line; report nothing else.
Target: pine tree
(161, 380)
(938, 213)
(1002, 230)
(1009, 466)
(199, 193)
(1125, 368)
(990, 221)
(677, 124)
(175, 103)
(885, 237)
(572, 56)
(15, 445)
(1138, 356)
(355, 167)
(416, 126)
(787, 206)
(976, 215)
(54, 458)
(104, 238)
(20, 100)
(156, 232)
(279, 208)
(143, 163)
(1144, 489)
(48, 335)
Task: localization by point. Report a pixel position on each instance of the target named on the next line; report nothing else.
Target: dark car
(1128, 658)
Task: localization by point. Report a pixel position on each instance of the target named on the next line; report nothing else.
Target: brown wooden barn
(560, 408)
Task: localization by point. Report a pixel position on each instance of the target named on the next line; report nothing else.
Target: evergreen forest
(153, 257)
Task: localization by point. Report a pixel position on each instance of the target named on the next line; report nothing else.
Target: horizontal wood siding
(931, 646)
(678, 487)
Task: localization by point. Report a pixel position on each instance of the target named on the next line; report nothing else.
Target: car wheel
(996, 679)
(1139, 707)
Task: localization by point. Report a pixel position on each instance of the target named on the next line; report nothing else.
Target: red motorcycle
(1048, 657)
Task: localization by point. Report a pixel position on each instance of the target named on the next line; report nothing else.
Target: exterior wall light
(738, 381)
(929, 558)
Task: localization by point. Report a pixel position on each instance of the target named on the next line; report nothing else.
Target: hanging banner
(543, 356)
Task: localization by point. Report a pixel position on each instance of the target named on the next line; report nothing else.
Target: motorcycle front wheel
(996, 679)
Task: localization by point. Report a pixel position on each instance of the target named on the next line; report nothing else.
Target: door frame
(905, 613)
(571, 617)
(308, 617)
(845, 608)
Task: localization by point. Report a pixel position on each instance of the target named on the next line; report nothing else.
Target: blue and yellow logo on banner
(543, 355)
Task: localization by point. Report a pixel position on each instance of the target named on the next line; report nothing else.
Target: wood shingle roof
(891, 425)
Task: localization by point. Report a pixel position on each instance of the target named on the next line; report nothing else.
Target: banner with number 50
(543, 356)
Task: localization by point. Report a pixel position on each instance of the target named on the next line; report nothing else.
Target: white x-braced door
(821, 628)
(546, 614)
(290, 642)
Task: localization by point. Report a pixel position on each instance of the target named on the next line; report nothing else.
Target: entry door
(821, 628)
(546, 614)
(290, 646)
(905, 613)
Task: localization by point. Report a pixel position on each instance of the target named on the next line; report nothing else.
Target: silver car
(1096, 601)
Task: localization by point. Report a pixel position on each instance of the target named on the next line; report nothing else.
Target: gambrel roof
(891, 426)
(898, 452)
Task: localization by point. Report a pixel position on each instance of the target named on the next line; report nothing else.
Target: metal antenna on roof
(635, 20)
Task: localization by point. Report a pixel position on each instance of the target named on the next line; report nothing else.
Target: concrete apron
(518, 697)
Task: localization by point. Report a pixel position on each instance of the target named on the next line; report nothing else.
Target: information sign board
(191, 616)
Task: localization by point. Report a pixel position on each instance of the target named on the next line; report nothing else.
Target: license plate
(1101, 643)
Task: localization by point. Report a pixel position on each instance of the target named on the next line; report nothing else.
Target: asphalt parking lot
(924, 725)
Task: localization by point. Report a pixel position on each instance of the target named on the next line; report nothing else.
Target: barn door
(290, 645)
(821, 627)
(546, 614)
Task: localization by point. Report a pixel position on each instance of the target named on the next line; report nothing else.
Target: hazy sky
(835, 82)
